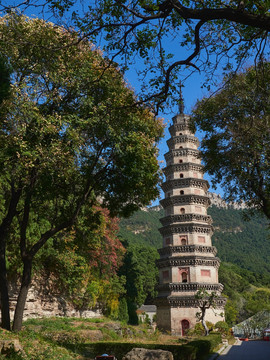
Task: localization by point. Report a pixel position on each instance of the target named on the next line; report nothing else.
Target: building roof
(148, 308)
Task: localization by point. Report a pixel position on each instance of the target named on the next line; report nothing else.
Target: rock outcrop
(9, 347)
(43, 303)
(148, 354)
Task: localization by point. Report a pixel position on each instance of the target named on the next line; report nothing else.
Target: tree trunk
(26, 282)
(5, 315)
(4, 228)
(203, 309)
(205, 328)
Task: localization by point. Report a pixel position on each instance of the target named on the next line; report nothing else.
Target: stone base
(177, 320)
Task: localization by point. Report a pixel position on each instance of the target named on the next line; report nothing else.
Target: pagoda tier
(188, 261)
(185, 183)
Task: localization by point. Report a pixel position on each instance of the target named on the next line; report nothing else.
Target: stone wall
(41, 303)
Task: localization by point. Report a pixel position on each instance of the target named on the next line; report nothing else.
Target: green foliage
(222, 327)
(193, 350)
(234, 238)
(123, 311)
(71, 133)
(235, 149)
(141, 273)
(231, 311)
(41, 339)
(132, 315)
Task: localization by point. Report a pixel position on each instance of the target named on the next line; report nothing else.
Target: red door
(185, 326)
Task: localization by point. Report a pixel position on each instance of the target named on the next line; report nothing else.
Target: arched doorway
(185, 327)
(183, 241)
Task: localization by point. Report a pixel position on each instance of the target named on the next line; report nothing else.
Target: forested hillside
(243, 247)
(245, 243)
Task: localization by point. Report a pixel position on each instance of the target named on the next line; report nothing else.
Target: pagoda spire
(181, 100)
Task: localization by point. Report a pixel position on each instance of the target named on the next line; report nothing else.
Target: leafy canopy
(236, 147)
(70, 134)
(168, 39)
(71, 127)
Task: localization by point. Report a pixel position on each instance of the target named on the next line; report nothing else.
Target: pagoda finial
(181, 100)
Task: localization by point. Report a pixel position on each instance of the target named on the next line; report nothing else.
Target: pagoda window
(183, 241)
(184, 277)
(167, 241)
(180, 147)
(180, 161)
(201, 239)
(180, 134)
(181, 192)
(182, 211)
(205, 273)
(181, 175)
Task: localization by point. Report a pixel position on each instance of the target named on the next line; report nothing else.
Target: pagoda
(188, 260)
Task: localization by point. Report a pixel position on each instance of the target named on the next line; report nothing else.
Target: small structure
(147, 312)
(188, 260)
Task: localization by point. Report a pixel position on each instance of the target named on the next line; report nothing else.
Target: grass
(73, 338)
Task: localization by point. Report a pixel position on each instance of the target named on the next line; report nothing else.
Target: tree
(81, 263)
(71, 134)
(236, 146)
(205, 35)
(141, 273)
(205, 301)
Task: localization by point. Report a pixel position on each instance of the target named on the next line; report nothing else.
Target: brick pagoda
(188, 260)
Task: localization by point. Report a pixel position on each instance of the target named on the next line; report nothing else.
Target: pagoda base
(178, 319)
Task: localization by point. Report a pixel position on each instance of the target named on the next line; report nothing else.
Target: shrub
(222, 327)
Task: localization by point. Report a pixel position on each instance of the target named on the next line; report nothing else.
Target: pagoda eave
(170, 250)
(180, 218)
(187, 301)
(185, 287)
(182, 167)
(186, 200)
(185, 183)
(188, 261)
(186, 228)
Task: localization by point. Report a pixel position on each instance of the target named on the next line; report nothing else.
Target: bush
(222, 327)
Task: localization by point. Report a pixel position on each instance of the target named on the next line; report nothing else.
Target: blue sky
(192, 91)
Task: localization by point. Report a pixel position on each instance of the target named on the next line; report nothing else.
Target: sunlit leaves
(72, 132)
